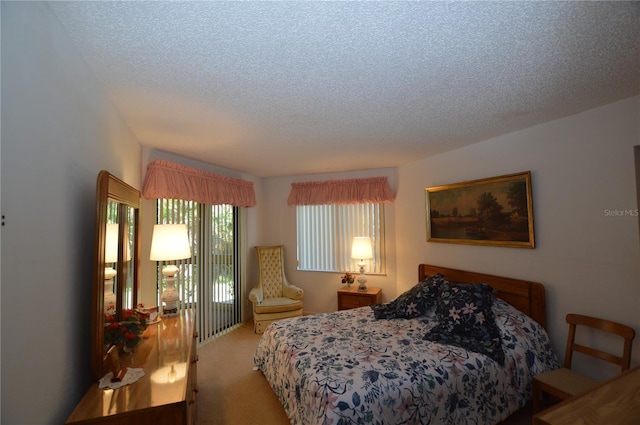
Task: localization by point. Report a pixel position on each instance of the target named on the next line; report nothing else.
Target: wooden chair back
(627, 333)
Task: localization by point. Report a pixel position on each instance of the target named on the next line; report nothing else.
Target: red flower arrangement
(348, 278)
(127, 332)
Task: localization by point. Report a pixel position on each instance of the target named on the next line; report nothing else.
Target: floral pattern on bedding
(466, 319)
(349, 368)
(417, 301)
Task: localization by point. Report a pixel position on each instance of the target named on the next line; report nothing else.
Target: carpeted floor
(232, 393)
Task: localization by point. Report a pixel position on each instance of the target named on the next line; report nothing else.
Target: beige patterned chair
(273, 297)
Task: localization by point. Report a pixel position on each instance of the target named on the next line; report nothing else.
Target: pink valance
(168, 180)
(374, 190)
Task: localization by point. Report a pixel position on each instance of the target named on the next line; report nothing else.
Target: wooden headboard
(528, 297)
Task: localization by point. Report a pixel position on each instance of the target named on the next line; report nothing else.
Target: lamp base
(169, 312)
(170, 296)
(170, 299)
(362, 280)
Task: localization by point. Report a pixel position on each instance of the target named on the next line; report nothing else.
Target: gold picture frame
(496, 211)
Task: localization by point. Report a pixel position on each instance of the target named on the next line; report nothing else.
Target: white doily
(132, 375)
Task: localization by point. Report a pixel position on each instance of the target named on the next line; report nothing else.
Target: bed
(353, 367)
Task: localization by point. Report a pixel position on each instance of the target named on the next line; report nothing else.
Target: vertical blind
(325, 233)
(208, 282)
(329, 214)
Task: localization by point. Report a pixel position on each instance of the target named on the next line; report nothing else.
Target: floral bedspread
(349, 368)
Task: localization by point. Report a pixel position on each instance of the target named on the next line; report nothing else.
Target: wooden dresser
(166, 394)
(352, 298)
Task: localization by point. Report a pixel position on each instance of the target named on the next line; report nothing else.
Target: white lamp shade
(111, 244)
(170, 242)
(361, 248)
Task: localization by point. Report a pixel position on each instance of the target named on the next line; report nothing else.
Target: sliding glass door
(209, 282)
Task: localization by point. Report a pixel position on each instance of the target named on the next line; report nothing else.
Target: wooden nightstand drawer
(352, 298)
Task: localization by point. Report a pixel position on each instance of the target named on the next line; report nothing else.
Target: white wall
(582, 166)
(58, 131)
(278, 227)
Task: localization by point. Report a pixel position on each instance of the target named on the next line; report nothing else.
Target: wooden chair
(273, 297)
(564, 383)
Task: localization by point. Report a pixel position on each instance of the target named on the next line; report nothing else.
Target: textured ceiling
(282, 88)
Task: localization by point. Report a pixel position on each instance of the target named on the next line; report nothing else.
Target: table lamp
(361, 250)
(170, 242)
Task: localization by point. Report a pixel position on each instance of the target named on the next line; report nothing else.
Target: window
(325, 233)
(209, 281)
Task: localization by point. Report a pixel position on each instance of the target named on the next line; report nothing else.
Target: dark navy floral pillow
(465, 319)
(417, 301)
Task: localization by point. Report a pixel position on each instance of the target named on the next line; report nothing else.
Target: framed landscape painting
(495, 211)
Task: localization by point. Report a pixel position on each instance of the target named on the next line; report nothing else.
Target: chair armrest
(293, 292)
(255, 295)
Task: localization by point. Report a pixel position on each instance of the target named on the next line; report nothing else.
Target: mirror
(117, 258)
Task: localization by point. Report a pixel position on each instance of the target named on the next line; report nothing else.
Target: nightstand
(352, 298)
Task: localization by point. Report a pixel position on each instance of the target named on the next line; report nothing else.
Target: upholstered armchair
(273, 297)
